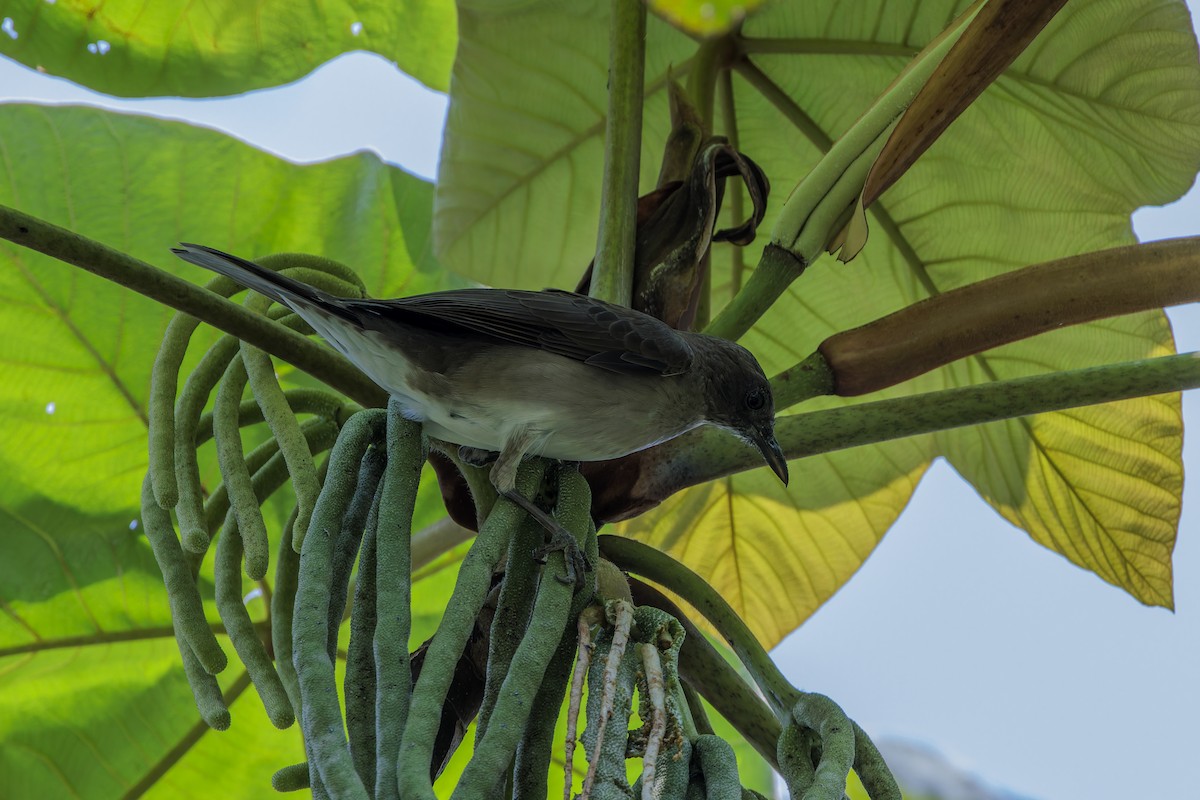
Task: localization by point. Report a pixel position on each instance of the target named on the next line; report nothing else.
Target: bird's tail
(279, 288)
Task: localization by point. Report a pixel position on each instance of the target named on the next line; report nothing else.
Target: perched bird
(549, 373)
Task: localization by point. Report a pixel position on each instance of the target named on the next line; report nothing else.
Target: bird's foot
(477, 456)
(558, 539)
(577, 561)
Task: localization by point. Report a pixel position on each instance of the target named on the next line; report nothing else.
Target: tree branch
(98, 259)
(612, 278)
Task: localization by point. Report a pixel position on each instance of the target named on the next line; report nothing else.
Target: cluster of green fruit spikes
(357, 507)
(178, 426)
(806, 737)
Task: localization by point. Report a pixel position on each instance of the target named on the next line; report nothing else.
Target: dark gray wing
(572, 325)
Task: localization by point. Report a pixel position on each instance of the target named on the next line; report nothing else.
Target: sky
(959, 631)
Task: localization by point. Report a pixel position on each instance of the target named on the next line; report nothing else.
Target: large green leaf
(77, 350)
(1099, 117)
(171, 47)
(85, 640)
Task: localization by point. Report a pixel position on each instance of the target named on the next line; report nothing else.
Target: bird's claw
(477, 456)
(577, 562)
(558, 538)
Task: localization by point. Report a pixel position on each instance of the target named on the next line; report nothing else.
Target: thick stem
(737, 209)
(711, 58)
(815, 207)
(612, 277)
(406, 449)
(1012, 307)
(707, 454)
(470, 591)
(71, 248)
(776, 270)
(997, 35)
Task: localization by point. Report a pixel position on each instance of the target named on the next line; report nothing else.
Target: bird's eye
(756, 399)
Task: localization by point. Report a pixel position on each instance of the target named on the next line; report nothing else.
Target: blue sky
(958, 631)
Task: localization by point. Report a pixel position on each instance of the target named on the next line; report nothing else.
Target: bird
(523, 373)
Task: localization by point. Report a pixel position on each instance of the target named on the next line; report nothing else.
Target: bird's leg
(477, 456)
(504, 478)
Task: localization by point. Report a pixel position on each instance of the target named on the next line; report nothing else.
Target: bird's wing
(280, 288)
(576, 326)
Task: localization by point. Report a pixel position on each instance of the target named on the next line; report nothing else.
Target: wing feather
(576, 326)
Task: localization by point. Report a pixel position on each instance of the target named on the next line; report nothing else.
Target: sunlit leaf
(77, 351)
(1101, 115)
(171, 47)
(86, 647)
(704, 17)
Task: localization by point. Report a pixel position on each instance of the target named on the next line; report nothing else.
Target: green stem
(859, 139)
(708, 454)
(548, 621)
(283, 602)
(812, 377)
(325, 740)
(236, 476)
(815, 207)
(348, 541)
(659, 567)
(776, 270)
(823, 431)
(510, 623)
(531, 764)
(612, 278)
(393, 578)
(710, 60)
(470, 590)
(736, 193)
(245, 638)
(71, 248)
(187, 610)
(360, 683)
(818, 713)
(876, 778)
(164, 383)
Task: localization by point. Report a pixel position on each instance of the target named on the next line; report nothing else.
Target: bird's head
(738, 398)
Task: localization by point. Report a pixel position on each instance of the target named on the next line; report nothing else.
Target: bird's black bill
(772, 453)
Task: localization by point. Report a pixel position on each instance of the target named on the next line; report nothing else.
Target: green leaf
(78, 350)
(86, 649)
(704, 17)
(1097, 118)
(68, 576)
(518, 191)
(173, 47)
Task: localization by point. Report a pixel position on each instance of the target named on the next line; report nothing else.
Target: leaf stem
(737, 211)
(776, 270)
(707, 454)
(612, 278)
(817, 204)
(92, 256)
(1010, 307)
(711, 58)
